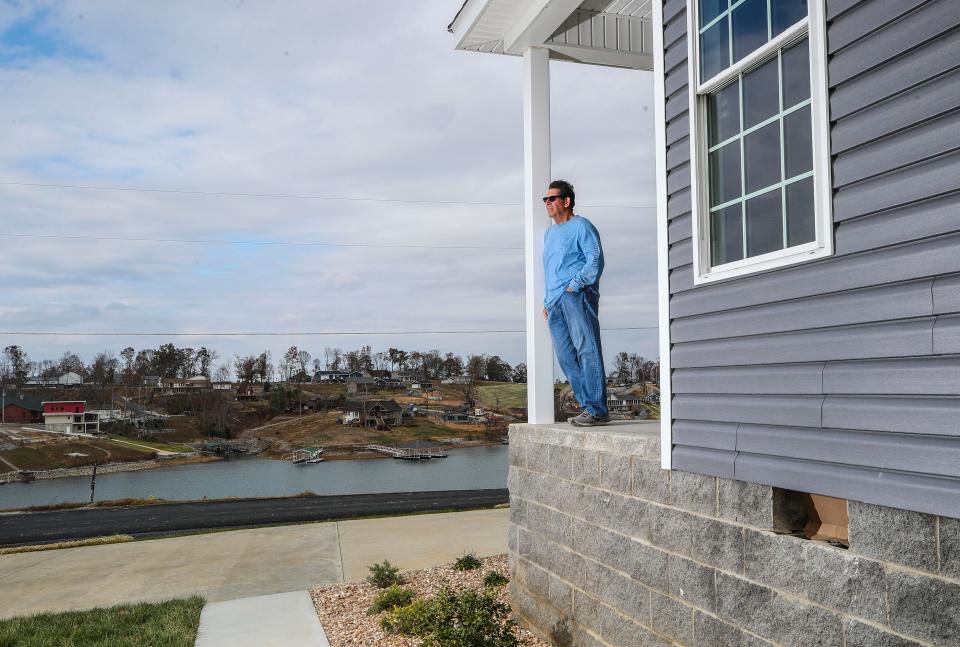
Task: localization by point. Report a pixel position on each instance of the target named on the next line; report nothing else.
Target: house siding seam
(838, 376)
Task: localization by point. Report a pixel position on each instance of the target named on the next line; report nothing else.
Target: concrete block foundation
(608, 550)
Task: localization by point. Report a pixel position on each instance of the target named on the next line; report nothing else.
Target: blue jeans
(575, 327)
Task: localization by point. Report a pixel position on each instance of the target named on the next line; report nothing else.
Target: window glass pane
(726, 235)
(710, 9)
(725, 174)
(797, 143)
(800, 212)
(764, 224)
(714, 50)
(723, 108)
(786, 13)
(749, 27)
(761, 98)
(796, 74)
(761, 150)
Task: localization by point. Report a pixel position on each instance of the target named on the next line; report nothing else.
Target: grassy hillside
(509, 395)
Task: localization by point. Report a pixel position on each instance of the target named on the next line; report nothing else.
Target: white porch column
(536, 177)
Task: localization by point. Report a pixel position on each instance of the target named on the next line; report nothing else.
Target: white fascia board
(539, 21)
(466, 20)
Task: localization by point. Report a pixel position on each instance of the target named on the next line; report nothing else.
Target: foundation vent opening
(812, 516)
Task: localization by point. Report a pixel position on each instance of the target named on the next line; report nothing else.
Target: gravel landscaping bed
(343, 607)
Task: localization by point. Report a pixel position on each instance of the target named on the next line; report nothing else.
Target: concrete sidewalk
(241, 563)
(281, 619)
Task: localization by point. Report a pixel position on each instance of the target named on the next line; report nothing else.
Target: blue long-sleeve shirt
(572, 258)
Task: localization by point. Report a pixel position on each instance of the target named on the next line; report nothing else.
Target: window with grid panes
(753, 138)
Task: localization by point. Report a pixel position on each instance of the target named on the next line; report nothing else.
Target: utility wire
(292, 196)
(288, 334)
(202, 241)
(276, 243)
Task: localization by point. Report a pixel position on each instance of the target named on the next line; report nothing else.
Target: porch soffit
(614, 33)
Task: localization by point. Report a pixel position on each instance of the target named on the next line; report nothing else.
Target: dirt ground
(72, 452)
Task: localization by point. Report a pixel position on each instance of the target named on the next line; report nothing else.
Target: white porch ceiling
(614, 33)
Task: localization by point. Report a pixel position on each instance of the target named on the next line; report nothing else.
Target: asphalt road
(59, 525)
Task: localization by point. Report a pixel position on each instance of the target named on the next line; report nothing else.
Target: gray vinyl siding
(839, 376)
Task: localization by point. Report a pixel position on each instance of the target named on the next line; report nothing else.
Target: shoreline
(25, 476)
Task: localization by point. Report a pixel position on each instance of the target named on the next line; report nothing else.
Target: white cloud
(364, 99)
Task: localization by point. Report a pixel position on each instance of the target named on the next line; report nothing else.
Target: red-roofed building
(72, 416)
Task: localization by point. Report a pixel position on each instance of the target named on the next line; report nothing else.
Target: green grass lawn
(166, 624)
(510, 395)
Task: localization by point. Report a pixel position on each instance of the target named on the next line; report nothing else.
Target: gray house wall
(839, 376)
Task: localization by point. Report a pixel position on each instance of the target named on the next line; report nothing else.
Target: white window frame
(815, 27)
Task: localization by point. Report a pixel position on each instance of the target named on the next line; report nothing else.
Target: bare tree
(477, 366)
(204, 360)
(129, 355)
(303, 361)
(332, 357)
(289, 364)
(71, 363)
(18, 365)
(222, 374)
(103, 370)
(520, 373)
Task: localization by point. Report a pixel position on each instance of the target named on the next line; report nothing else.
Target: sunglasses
(551, 198)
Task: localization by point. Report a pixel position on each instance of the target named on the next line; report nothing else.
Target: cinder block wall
(608, 549)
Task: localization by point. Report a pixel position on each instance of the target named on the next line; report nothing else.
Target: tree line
(131, 366)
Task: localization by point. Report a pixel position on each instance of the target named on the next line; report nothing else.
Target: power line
(290, 334)
(276, 243)
(293, 196)
(202, 241)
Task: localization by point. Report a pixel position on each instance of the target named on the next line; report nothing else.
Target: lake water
(470, 468)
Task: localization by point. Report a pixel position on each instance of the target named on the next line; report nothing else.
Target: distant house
(22, 410)
(321, 403)
(222, 386)
(456, 416)
(381, 374)
(360, 384)
(71, 416)
(422, 385)
(457, 379)
(151, 380)
(70, 379)
(623, 403)
(372, 412)
(330, 376)
(195, 383)
(42, 381)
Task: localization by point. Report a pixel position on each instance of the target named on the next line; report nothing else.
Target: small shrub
(415, 619)
(468, 562)
(494, 579)
(384, 575)
(391, 598)
(466, 619)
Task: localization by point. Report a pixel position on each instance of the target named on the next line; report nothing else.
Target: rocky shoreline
(25, 476)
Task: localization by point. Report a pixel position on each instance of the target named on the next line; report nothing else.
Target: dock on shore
(408, 453)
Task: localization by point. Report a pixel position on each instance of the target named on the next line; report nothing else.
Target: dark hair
(566, 190)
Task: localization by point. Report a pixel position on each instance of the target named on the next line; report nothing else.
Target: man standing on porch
(572, 264)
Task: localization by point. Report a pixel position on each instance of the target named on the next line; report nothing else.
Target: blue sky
(364, 100)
